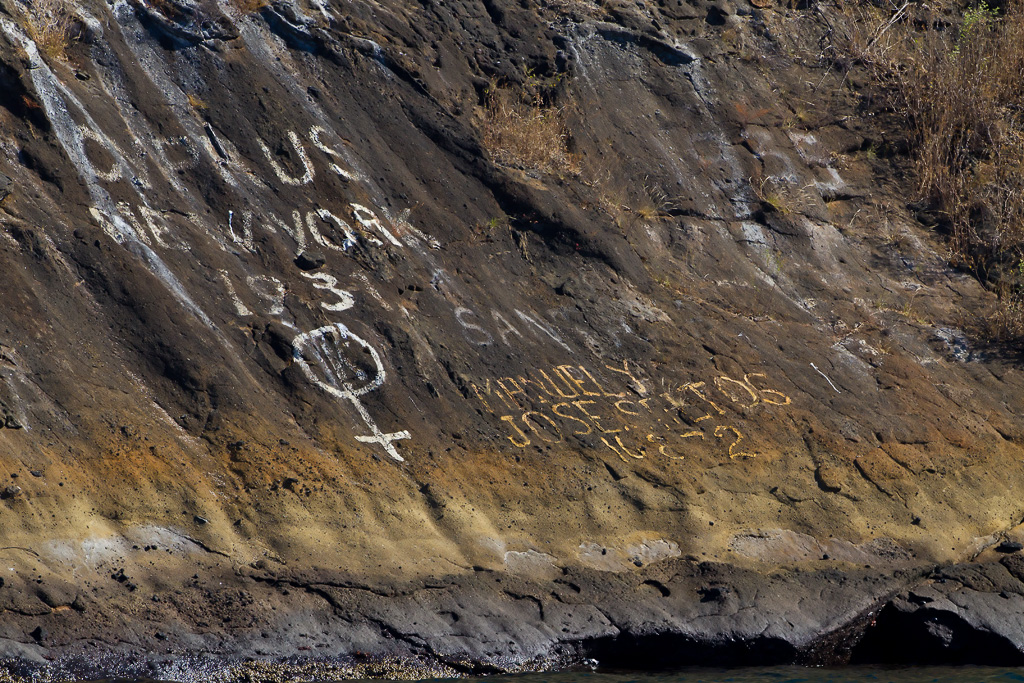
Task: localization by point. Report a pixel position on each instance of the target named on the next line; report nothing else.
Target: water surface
(785, 674)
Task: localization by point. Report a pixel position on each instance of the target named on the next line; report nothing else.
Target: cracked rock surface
(307, 370)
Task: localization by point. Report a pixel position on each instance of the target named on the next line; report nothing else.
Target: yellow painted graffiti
(546, 405)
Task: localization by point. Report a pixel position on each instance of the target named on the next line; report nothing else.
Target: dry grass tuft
(527, 132)
(1006, 321)
(959, 87)
(578, 10)
(612, 196)
(167, 8)
(868, 33)
(51, 25)
(779, 194)
(963, 96)
(196, 102)
(655, 203)
(246, 7)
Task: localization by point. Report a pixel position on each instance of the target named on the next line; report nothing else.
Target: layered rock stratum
(300, 375)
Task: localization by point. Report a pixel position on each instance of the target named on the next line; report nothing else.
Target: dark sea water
(777, 674)
(785, 674)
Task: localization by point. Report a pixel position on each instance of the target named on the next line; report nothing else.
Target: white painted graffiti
(270, 289)
(322, 356)
(315, 224)
(11, 372)
(328, 282)
(476, 333)
(314, 134)
(368, 219)
(58, 102)
(282, 175)
(331, 357)
(240, 308)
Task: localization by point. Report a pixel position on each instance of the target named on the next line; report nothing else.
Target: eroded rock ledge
(251, 625)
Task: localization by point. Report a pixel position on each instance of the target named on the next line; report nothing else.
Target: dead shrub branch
(959, 87)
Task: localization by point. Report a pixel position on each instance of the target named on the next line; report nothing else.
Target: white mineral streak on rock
(55, 100)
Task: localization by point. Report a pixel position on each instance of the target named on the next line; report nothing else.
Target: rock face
(300, 357)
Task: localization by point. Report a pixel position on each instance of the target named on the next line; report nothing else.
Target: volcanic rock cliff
(481, 335)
